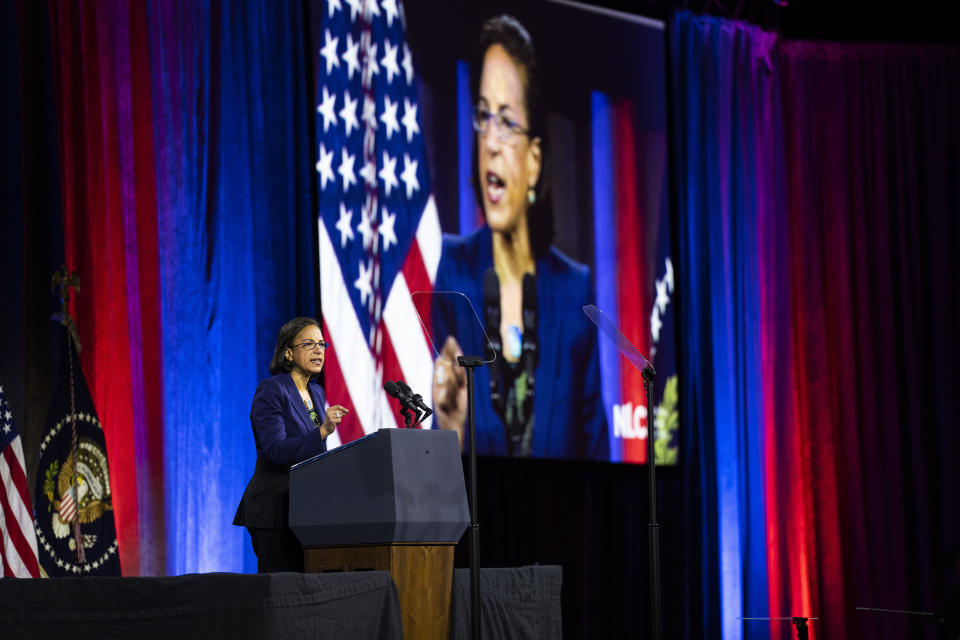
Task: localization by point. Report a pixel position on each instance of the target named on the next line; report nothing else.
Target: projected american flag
(378, 231)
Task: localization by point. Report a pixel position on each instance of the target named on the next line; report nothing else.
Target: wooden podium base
(423, 574)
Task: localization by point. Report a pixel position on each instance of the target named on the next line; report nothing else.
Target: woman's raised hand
(450, 389)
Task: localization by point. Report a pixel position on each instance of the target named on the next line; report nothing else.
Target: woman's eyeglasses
(310, 345)
(506, 128)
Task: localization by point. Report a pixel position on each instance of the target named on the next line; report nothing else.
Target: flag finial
(61, 282)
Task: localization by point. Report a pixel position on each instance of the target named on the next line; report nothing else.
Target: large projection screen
(603, 86)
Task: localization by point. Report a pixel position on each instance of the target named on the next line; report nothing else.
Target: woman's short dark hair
(289, 331)
(507, 32)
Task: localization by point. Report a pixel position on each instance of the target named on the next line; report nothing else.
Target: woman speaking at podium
(289, 425)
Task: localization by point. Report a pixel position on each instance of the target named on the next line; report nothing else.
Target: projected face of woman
(510, 166)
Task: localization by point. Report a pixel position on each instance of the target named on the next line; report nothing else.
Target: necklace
(314, 415)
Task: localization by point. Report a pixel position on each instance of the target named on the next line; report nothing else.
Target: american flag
(19, 549)
(378, 232)
(68, 506)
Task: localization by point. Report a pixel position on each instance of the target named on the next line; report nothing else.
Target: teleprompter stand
(633, 355)
(470, 363)
(464, 325)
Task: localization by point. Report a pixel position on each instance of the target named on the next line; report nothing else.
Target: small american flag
(68, 506)
(378, 233)
(19, 549)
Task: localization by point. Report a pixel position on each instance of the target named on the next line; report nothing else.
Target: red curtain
(873, 170)
(109, 209)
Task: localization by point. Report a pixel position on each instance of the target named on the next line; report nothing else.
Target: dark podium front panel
(394, 485)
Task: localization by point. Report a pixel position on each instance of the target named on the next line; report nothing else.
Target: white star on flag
(410, 119)
(369, 116)
(326, 108)
(349, 113)
(325, 167)
(409, 175)
(662, 298)
(407, 63)
(390, 9)
(350, 56)
(389, 61)
(329, 51)
(389, 116)
(346, 169)
(371, 9)
(364, 283)
(386, 229)
(355, 9)
(343, 225)
(371, 68)
(366, 229)
(655, 325)
(369, 174)
(389, 173)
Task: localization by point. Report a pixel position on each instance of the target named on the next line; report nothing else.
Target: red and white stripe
(19, 549)
(353, 377)
(68, 506)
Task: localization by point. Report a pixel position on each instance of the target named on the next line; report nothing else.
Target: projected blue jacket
(569, 420)
(284, 435)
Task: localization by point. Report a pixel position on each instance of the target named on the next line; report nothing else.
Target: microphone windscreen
(404, 386)
(391, 387)
(529, 303)
(491, 287)
(491, 308)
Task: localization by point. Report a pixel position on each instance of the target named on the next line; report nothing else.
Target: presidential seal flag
(378, 231)
(73, 511)
(18, 551)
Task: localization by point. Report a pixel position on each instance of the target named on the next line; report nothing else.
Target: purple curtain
(873, 148)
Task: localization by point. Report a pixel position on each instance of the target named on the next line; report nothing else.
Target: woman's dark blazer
(285, 435)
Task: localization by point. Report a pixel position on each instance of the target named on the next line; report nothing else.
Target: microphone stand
(470, 363)
(654, 527)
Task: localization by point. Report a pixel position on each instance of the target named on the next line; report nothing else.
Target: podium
(393, 501)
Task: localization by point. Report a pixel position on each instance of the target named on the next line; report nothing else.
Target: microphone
(491, 318)
(408, 400)
(529, 345)
(491, 308)
(416, 399)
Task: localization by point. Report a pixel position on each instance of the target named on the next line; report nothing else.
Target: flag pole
(62, 281)
(470, 363)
